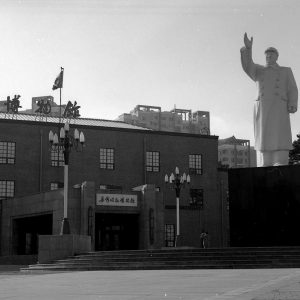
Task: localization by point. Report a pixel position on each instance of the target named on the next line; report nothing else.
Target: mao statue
(277, 97)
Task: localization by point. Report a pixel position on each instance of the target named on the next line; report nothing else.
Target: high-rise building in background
(176, 120)
(236, 153)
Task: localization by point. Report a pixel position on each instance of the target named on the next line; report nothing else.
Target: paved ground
(267, 284)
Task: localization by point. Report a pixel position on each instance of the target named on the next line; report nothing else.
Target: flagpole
(62, 70)
(60, 116)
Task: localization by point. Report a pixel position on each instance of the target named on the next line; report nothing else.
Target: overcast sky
(121, 53)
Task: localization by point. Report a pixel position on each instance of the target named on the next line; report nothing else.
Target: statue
(277, 98)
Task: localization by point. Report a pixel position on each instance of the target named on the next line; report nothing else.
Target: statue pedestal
(264, 206)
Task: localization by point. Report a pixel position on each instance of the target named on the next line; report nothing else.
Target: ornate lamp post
(177, 182)
(65, 143)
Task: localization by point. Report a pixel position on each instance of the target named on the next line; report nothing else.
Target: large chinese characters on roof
(71, 110)
(13, 105)
(44, 106)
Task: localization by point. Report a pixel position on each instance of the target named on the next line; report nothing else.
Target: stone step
(277, 257)
(183, 259)
(203, 252)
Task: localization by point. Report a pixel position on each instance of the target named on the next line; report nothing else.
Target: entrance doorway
(116, 232)
(26, 232)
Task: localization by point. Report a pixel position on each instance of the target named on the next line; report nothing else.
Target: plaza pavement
(240, 284)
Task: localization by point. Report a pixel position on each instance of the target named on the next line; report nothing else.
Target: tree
(294, 155)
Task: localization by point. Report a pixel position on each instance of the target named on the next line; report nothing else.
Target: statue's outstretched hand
(248, 43)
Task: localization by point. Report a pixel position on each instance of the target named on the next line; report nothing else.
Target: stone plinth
(264, 206)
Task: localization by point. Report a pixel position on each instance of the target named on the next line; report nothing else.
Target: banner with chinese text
(116, 200)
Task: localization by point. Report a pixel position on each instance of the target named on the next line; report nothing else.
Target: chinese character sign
(116, 200)
(71, 110)
(13, 105)
(44, 106)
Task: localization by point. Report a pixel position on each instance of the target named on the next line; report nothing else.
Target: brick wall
(33, 172)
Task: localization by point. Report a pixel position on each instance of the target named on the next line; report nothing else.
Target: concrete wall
(53, 247)
(36, 205)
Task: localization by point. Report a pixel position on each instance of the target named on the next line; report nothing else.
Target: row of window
(239, 160)
(107, 158)
(239, 152)
(7, 188)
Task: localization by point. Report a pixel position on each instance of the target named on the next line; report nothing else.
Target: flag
(58, 83)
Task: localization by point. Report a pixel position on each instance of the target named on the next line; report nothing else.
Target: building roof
(79, 121)
(233, 141)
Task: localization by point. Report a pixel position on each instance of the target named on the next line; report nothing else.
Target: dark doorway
(116, 232)
(26, 232)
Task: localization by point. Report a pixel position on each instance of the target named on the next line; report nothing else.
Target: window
(57, 158)
(7, 152)
(152, 161)
(197, 199)
(7, 189)
(107, 158)
(170, 235)
(195, 163)
(56, 185)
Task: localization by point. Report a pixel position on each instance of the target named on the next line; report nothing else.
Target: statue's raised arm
(248, 43)
(246, 58)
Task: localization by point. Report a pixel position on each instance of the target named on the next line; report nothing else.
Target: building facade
(176, 120)
(236, 153)
(118, 159)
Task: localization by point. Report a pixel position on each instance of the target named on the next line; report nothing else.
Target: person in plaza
(277, 98)
(204, 239)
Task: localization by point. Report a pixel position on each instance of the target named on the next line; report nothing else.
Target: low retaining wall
(18, 260)
(53, 247)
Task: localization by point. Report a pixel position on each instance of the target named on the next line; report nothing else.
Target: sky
(169, 53)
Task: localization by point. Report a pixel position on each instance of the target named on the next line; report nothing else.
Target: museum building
(116, 185)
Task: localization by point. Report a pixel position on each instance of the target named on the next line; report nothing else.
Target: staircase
(177, 258)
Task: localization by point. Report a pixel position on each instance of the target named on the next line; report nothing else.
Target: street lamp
(65, 143)
(177, 182)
